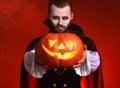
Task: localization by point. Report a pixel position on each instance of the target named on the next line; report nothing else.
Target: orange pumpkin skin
(59, 50)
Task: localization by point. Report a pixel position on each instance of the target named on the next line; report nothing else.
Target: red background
(21, 21)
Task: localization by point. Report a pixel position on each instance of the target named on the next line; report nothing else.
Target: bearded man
(87, 73)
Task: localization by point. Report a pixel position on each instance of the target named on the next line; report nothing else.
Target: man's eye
(64, 18)
(56, 18)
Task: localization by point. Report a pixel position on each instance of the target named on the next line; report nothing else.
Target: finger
(85, 46)
(77, 65)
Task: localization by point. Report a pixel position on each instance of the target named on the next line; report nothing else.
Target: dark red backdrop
(21, 21)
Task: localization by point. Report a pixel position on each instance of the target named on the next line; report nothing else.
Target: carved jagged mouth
(65, 56)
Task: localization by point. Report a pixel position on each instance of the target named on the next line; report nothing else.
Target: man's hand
(82, 61)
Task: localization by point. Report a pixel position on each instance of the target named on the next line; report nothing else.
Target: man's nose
(60, 22)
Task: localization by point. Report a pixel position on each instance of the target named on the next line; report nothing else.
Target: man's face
(60, 18)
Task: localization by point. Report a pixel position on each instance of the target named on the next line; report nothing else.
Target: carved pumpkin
(58, 50)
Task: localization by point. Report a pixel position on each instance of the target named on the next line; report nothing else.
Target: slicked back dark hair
(59, 3)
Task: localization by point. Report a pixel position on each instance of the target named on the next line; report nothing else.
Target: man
(86, 74)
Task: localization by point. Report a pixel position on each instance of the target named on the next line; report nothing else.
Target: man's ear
(72, 15)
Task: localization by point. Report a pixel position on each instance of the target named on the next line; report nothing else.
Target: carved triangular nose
(61, 46)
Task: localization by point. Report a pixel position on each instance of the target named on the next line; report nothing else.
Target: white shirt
(37, 70)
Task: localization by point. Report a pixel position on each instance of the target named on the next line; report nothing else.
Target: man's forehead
(60, 11)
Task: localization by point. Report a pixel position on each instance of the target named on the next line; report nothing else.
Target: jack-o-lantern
(57, 50)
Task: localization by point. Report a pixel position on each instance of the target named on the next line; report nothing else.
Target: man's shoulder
(32, 44)
(90, 43)
(75, 28)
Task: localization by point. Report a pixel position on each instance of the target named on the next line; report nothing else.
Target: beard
(61, 28)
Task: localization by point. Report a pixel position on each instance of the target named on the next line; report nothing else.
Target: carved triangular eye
(51, 42)
(71, 43)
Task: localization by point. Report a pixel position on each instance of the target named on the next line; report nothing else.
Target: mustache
(60, 26)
